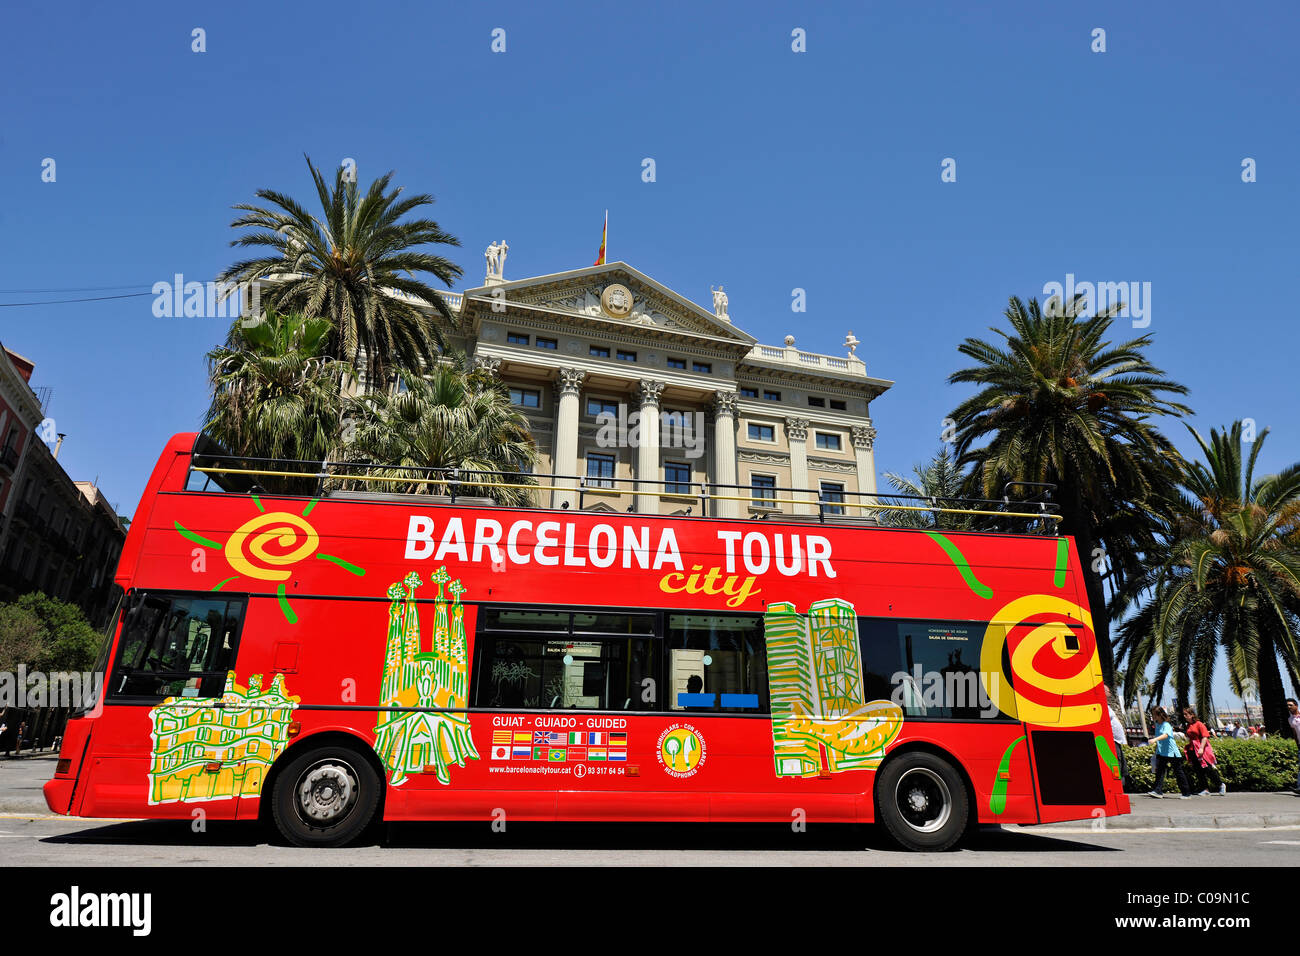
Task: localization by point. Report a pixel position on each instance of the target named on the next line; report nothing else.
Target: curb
(1226, 821)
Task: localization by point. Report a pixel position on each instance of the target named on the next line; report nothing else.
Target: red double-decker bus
(329, 659)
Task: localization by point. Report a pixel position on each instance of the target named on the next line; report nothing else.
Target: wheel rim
(326, 793)
(923, 800)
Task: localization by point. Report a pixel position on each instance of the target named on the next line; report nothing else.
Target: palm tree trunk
(1272, 693)
(1074, 521)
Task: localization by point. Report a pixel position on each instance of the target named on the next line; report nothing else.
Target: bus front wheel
(921, 802)
(325, 797)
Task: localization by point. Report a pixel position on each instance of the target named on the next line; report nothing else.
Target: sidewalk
(21, 779)
(1229, 812)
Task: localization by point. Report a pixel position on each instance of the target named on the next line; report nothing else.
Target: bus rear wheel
(921, 802)
(325, 797)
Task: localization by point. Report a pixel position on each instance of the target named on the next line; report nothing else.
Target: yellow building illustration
(218, 748)
(814, 672)
(418, 733)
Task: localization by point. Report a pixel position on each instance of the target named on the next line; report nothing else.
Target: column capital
(724, 402)
(648, 391)
(864, 436)
(796, 429)
(487, 364)
(570, 380)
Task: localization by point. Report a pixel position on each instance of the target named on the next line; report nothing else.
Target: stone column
(565, 462)
(864, 436)
(796, 435)
(724, 452)
(647, 451)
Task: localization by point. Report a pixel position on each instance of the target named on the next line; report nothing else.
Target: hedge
(1254, 766)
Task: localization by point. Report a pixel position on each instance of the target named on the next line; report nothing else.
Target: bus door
(1051, 661)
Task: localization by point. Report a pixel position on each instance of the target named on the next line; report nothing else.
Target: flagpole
(606, 236)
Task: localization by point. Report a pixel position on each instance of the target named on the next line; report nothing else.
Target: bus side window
(564, 660)
(717, 662)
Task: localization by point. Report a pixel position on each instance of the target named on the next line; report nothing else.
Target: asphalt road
(30, 836)
(29, 840)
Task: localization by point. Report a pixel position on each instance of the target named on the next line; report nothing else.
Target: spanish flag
(600, 256)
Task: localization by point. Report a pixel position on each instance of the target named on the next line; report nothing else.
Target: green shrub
(1253, 766)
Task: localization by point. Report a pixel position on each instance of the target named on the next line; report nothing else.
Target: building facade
(644, 399)
(56, 535)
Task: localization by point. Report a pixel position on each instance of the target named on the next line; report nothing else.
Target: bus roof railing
(377, 481)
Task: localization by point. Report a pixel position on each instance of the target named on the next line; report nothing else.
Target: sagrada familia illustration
(413, 738)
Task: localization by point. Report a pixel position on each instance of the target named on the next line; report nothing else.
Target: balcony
(791, 356)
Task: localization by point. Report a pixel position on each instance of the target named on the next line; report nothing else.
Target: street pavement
(1239, 829)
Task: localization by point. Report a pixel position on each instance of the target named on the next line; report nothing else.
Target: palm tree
(355, 265)
(276, 390)
(942, 482)
(1227, 577)
(449, 418)
(1058, 403)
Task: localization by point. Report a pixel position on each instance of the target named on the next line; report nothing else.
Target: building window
(828, 442)
(816, 402)
(600, 471)
(839, 405)
(748, 392)
(526, 397)
(516, 338)
(763, 491)
(625, 356)
(833, 491)
(703, 367)
(771, 396)
(677, 363)
(759, 432)
(601, 406)
(677, 478)
(551, 344)
(599, 351)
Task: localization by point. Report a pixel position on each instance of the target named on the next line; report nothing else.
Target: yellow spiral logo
(1054, 667)
(264, 546)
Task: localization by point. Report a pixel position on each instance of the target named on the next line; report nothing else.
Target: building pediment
(610, 293)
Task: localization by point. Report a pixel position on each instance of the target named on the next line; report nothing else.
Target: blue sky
(775, 170)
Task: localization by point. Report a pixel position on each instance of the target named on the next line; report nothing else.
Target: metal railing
(336, 478)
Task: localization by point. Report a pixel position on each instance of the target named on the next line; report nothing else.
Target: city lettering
(737, 590)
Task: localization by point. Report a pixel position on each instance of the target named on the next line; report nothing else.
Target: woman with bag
(1167, 756)
(1200, 756)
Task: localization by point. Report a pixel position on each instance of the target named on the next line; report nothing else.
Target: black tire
(921, 802)
(325, 797)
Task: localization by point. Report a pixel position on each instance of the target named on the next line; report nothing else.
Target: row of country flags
(556, 738)
(558, 747)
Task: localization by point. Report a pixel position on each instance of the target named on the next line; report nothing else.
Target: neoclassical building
(644, 396)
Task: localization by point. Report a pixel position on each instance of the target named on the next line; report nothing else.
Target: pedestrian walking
(1293, 719)
(1200, 756)
(1167, 756)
